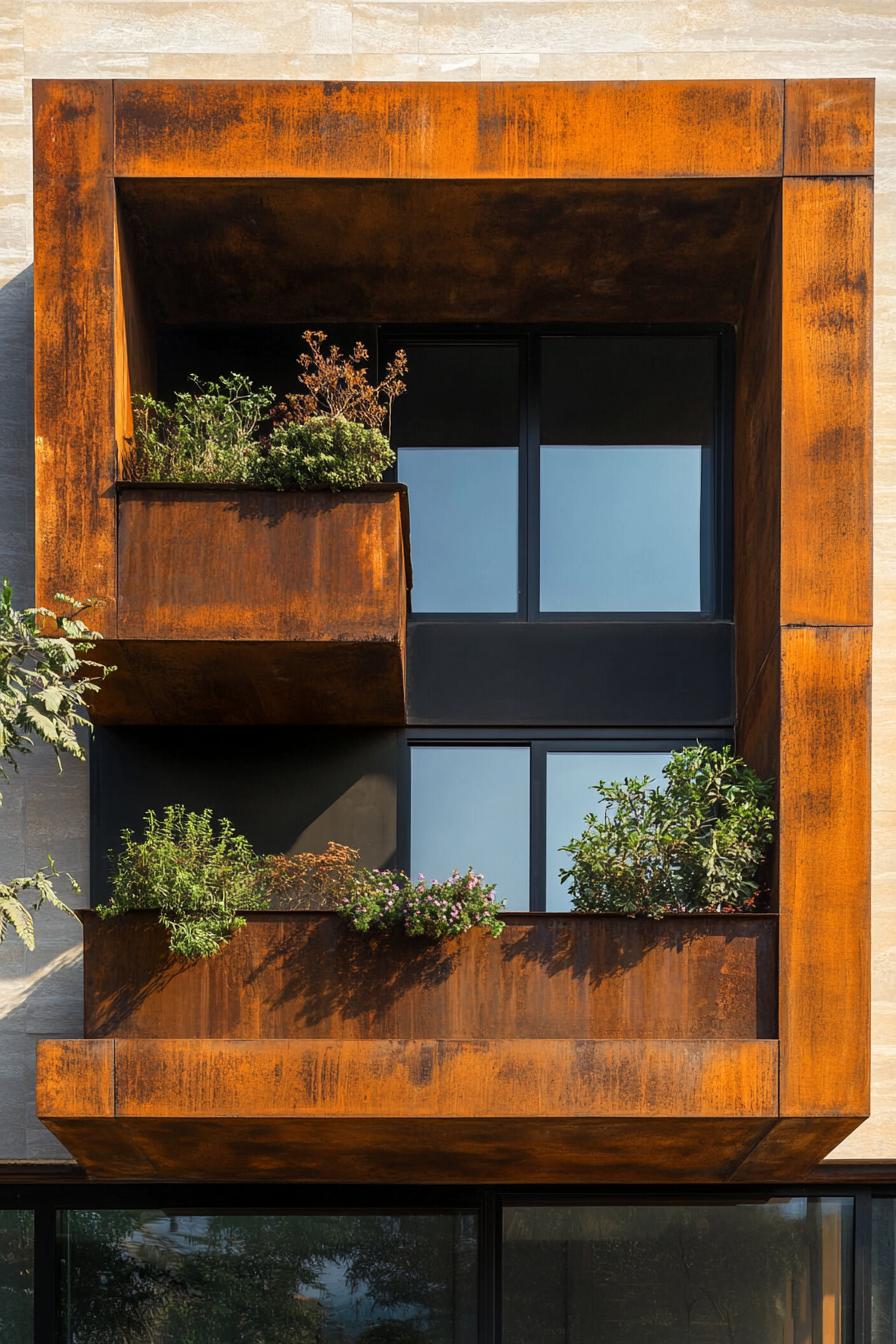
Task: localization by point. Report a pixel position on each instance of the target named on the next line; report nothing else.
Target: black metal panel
(576, 674)
(286, 789)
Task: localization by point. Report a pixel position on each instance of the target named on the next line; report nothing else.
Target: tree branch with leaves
(44, 679)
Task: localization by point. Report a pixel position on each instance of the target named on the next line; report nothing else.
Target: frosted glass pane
(464, 528)
(470, 808)
(571, 776)
(621, 528)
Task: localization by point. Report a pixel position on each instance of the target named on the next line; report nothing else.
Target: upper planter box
(240, 605)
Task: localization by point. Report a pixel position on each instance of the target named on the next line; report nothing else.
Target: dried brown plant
(338, 385)
(311, 881)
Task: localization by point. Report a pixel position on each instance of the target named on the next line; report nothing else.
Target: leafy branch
(44, 679)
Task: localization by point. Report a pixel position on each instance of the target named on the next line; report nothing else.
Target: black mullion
(723, 503)
(862, 1267)
(532, 443)
(488, 1235)
(45, 1277)
(523, 606)
(538, 755)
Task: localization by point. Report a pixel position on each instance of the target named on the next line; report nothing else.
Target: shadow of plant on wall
(356, 977)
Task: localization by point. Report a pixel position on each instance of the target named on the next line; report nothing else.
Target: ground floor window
(254, 1278)
(775, 1271)
(16, 1276)
(405, 1265)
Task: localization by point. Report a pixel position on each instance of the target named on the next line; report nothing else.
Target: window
(565, 475)
(457, 432)
(507, 810)
(253, 1278)
(16, 1276)
(470, 808)
(569, 796)
(883, 1271)
(771, 1271)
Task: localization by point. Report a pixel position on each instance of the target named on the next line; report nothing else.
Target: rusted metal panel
(218, 128)
(309, 975)
(826, 503)
(74, 343)
(828, 127)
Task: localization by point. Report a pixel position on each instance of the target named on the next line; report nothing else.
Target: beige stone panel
(263, 65)
(385, 28)
(590, 65)
(516, 65)
(90, 65)
(377, 66)
(647, 26)
(876, 1138)
(872, 59)
(544, 27)
(203, 26)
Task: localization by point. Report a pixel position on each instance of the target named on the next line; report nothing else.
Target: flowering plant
(388, 900)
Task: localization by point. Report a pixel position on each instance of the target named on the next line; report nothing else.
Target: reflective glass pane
(16, 1276)
(464, 528)
(775, 1271)
(883, 1271)
(148, 1277)
(470, 808)
(621, 528)
(571, 776)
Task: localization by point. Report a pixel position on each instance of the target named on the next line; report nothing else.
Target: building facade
(639, 323)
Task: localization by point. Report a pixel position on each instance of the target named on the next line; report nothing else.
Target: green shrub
(389, 900)
(198, 873)
(44, 679)
(695, 844)
(331, 435)
(209, 435)
(324, 454)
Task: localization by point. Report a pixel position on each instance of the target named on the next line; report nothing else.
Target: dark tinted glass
(470, 808)
(16, 1276)
(628, 389)
(148, 1277)
(883, 1271)
(776, 1271)
(460, 394)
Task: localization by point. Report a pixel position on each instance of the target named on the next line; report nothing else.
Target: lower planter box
(309, 975)
(574, 1048)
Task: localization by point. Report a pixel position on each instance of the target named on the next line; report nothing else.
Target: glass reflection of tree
(661, 1276)
(140, 1278)
(16, 1284)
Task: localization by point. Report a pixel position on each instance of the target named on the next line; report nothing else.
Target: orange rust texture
(824, 858)
(309, 975)
(826, 402)
(398, 1151)
(74, 340)
(828, 127)
(642, 129)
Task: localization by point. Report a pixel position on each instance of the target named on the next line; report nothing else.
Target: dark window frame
(487, 1202)
(717, 504)
(540, 742)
